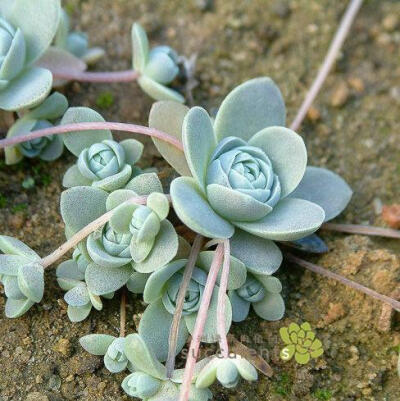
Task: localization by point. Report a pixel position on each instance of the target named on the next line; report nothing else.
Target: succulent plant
(26, 30)
(161, 291)
(248, 157)
(260, 292)
(112, 348)
(301, 342)
(71, 278)
(149, 380)
(157, 67)
(76, 43)
(108, 250)
(227, 371)
(102, 162)
(22, 276)
(46, 115)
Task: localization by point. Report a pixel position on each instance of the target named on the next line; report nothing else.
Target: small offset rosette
(227, 371)
(112, 348)
(157, 67)
(47, 115)
(22, 276)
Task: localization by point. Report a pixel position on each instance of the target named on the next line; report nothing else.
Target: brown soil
(353, 129)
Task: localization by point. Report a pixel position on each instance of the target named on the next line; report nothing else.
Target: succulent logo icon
(301, 342)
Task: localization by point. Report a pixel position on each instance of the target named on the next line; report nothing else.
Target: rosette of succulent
(157, 67)
(102, 162)
(250, 158)
(46, 115)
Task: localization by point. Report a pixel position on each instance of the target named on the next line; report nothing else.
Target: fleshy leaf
(145, 184)
(74, 178)
(96, 344)
(10, 264)
(78, 314)
(11, 288)
(14, 246)
(249, 108)
(168, 116)
(261, 256)
(240, 207)
(60, 61)
(17, 307)
(143, 358)
(117, 197)
(246, 369)
(77, 296)
(198, 142)
(38, 21)
(154, 328)
(93, 205)
(271, 308)
(133, 150)
(27, 90)
(159, 203)
(103, 280)
(122, 216)
(158, 91)
(77, 141)
(326, 189)
(31, 281)
(194, 211)
(52, 108)
(240, 307)
(237, 271)
(155, 284)
(137, 282)
(164, 249)
(287, 152)
(69, 269)
(291, 219)
(140, 47)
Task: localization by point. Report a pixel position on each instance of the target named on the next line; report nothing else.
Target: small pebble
(357, 84)
(35, 396)
(313, 114)
(391, 215)
(63, 346)
(340, 95)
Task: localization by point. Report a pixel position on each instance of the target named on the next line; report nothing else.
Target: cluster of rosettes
(136, 241)
(148, 379)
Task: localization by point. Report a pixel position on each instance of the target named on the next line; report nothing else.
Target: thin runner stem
(62, 129)
(223, 285)
(330, 58)
(87, 230)
(174, 330)
(363, 230)
(122, 313)
(352, 284)
(200, 323)
(105, 77)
